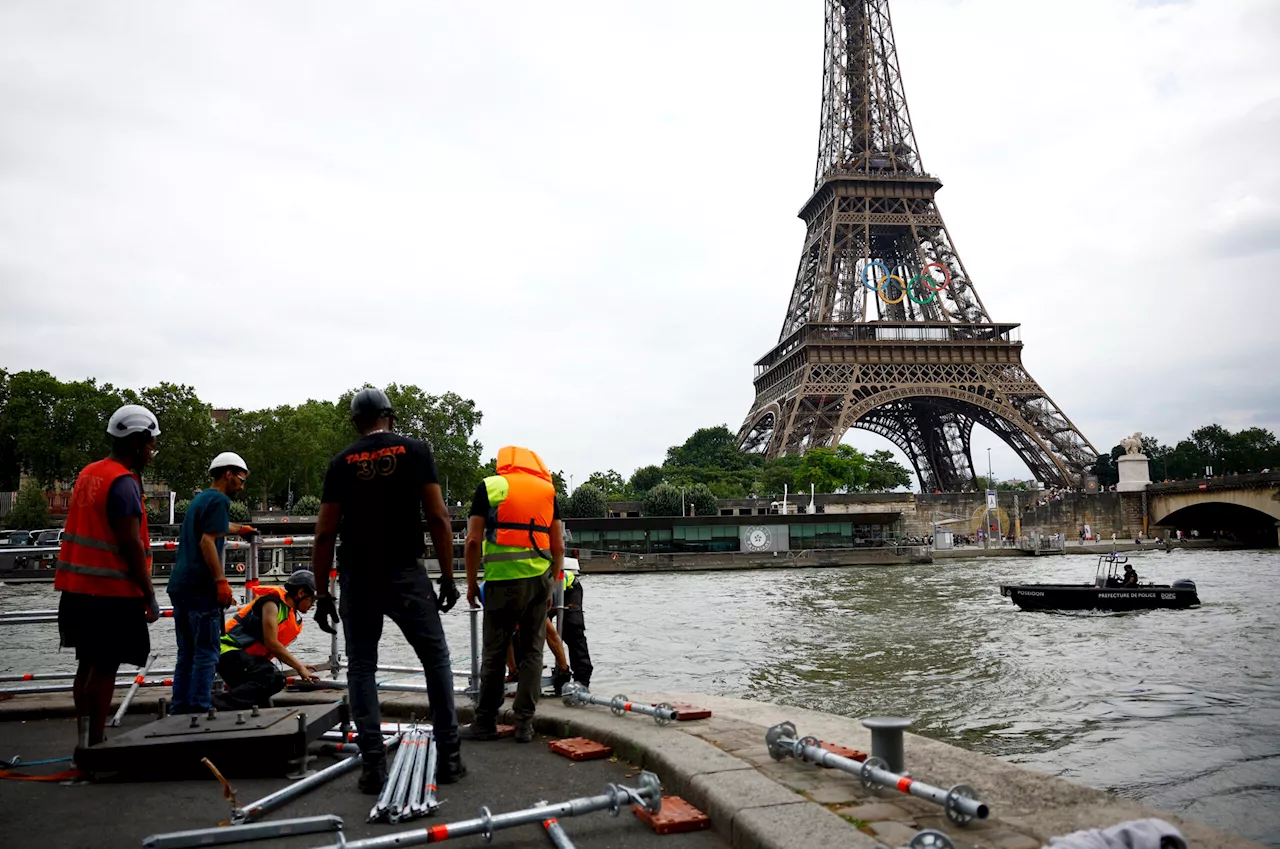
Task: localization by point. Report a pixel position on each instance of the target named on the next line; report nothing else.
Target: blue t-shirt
(207, 514)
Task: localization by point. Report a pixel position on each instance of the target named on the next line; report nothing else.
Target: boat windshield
(1109, 571)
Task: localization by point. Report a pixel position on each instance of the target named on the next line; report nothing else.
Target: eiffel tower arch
(884, 330)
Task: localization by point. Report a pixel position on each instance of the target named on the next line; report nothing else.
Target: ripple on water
(1177, 709)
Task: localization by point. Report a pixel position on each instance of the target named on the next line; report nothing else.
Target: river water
(1176, 709)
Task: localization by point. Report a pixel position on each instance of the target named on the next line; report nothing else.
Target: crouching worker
(259, 632)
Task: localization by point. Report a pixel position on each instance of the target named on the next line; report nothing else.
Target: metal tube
(473, 683)
(575, 695)
(400, 798)
(222, 835)
(250, 568)
(380, 808)
(270, 802)
(408, 670)
(958, 801)
(63, 676)
(614, 798)
(133, 691)
(557, 599)
(429, 803)
(556, 834)
(419, 776)
(67, 688)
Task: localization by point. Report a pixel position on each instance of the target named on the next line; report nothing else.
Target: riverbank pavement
(722, 766)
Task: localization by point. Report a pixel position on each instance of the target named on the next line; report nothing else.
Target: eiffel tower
(885, 330)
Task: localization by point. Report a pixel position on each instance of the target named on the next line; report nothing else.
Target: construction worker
(375, 492)
(199, 590)
(258, 633)
(575, 631)
(515, 529)
(104, 569)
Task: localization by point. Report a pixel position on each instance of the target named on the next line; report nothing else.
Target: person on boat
(376, 492)
(104, 569)
(258, 633)
(514, 529)
(198, 588)
(1130, 577)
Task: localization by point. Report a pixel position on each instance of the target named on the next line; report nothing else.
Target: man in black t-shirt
(374, 490)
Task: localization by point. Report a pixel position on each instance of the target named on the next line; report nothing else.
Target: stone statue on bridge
(1132, 444)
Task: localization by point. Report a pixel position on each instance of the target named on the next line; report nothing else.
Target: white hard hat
(133, 418)
(228, 459)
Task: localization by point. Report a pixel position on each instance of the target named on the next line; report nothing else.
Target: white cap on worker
(133, 418)
(228, 459)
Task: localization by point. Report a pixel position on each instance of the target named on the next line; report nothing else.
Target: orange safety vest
(90, 561)
(244, 629)
(517, 529)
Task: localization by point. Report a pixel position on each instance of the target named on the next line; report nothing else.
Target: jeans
(507, 604)
(575, 635)
(198, 624)
(368, 593)
(253, 680)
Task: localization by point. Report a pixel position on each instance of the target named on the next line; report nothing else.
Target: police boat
(1105, 593)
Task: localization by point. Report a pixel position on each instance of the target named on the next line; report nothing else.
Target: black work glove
(447, 596)
(327, 614)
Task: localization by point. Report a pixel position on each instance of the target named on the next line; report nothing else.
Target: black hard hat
(370, 403)
(300, 578)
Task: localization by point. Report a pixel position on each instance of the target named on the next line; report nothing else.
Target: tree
(180, 508)
(703, 500)
(884, 473)
(30, 509)
(610, 483)
(662, 500)
(557, 480)
(645, 478)
(186, 437)
(587, 502)
(843, 468)
(446, 421)
(710, 447)
(308, 505)
(238, 512)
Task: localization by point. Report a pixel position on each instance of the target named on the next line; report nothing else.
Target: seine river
(1176, 709)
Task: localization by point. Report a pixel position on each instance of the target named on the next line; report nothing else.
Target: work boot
(450, 767)
(559, 678)
(373, 773)
(524, 730)
(479, 730)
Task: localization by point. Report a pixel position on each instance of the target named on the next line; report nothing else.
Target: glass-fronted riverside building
(746, 533)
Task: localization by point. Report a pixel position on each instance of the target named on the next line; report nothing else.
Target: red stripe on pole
(28, 677)
(138, 680)
(251, 583)
(548, 823)
(288, 540)
(167, 614)
(904, 784)
(437, 833)
(627, 706)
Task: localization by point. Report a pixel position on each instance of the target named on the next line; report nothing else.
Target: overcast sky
(583, 215)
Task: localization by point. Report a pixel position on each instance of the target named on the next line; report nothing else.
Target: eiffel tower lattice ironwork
(885, 330)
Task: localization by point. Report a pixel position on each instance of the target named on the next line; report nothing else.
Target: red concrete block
(685, 711)
(677, 816)
(843, 751)
(580, 749)
(506, 730)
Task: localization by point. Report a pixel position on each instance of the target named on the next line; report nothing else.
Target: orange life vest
(244, 629)
(522, 502)
(90, 561)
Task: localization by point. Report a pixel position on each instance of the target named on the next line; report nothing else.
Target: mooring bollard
(957, 801)
(615, 797)
(886, 740)
(575, 695)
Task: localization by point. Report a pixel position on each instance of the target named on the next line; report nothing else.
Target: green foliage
(1249, 449)
(662, 500)
(587, 502)
(158, 513)
(446, 421)
(557, 480)
(180, 508)
(645, 478)
(238, 512)
(610, 483)
(702, 500)
(30, 509)
(187, 431)
(884, 473)
(307, 505)
(839, 469)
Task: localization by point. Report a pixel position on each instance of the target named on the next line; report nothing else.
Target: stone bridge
(1209, 503)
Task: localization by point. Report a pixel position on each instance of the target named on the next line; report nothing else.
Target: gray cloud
(589, 211)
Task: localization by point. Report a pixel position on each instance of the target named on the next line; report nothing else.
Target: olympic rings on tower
(908, 287)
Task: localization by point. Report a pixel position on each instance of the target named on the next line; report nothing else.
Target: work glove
(153, 609)
(327, 614)
(247, 532)
(226, 598)
(447, 595)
